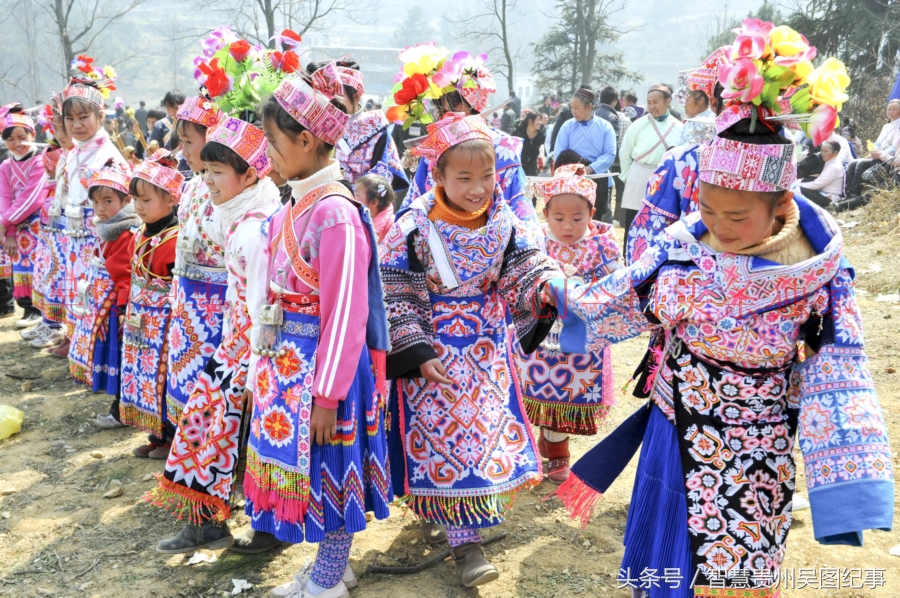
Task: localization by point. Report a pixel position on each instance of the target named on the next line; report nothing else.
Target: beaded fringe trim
(272, 488)
(579, 499)
(183, 502)
(134, 417)
(572, 418)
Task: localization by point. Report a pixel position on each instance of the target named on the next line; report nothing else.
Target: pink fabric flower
(822, 123)
(741, 80)
(748, 46)
(755, 28)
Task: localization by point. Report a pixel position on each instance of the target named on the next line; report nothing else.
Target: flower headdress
(13, 115)
(110, 175)
(353, 78)
(237, 76)
(160, 170)
(451, 130)
(309, 102)
(90, 82)
(768, 81)
(567, 179)
(705, 77)
(770, 68)
(200, 111)
(429, 73)
(50, 157)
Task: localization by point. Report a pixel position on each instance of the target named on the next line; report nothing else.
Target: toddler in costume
(570, 394)
(156, 189)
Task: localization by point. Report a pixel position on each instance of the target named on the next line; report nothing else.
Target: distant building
(379, 65)
(524, 86)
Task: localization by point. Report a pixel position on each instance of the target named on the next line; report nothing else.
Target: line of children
(279, 336)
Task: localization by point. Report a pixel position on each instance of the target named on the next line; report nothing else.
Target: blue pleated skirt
(656, 532)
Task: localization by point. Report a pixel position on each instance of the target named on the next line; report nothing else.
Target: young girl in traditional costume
(367, 144)
(82, 113)
(570, 394)
(95, 356)
(461, 446)
(466, 86)
(732, 288)
(53, 292)
(156, 189)
(201, 468)
(199, 287)
(21, 197)
(375, 192)
(317, 456)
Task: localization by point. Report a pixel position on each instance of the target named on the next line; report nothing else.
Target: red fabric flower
(411, 89)
(218, 82)
(85, 65)
(290, 62)
(239, 50)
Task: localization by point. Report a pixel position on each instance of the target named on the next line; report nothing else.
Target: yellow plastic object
(10, 421)
(869, 145)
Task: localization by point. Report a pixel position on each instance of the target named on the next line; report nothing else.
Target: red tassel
(379, 365)
(579, 499)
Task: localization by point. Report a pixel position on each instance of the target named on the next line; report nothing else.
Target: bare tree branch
(493, 25)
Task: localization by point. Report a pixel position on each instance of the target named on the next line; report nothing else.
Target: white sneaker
(50, 338)
(338, 591)
(800, 503)
(295, 587)
(32, 319)
(108, 422)
(33, 333)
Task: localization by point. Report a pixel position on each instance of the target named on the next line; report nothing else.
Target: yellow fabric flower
(787, 42)
(802, 71)
(423, 59)
(828, 83)
(109, 72)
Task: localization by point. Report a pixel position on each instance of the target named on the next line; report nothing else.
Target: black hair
(175, 97)
(156, 113)
(77, 102)
(378, 190)
(137, 184)
(271, 110)
(473, 146)
(522, 129)
(630, 96)
(216, 152)
(661, 88)
(585, 96)
(8, 131)
(120, 194)
(834, 145)
(349, 92)
(196, 126)
(455, 98)
(570, 157)
(142, 103)
(608, 95)
(720, 102)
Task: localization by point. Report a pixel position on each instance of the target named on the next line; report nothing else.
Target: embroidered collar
(329, 174)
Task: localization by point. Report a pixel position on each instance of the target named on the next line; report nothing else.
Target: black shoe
(7, 311)
(210, 535)
(852, 203)
(251, 541)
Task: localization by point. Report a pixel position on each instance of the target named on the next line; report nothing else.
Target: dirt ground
(60, 537)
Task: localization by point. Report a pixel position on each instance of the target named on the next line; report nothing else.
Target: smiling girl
(83, 101)
(461, 447)
(199, 286)
(730, 291)
(199, 478)
(156, 189)
(570, 394)
(21, 187)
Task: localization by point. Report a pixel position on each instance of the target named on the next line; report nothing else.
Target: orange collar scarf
(443, 212)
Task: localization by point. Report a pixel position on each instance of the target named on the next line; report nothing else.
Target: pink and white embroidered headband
(200, 111)
(310, 105)
(451, 130)
(247, 141)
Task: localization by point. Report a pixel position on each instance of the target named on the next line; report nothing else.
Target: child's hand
(247, 397)
(322, 425)
(121, 320)
(433, 371)
(10, 247)
(547, 296)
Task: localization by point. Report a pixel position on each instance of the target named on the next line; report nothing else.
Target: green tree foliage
(579, 49)
(416, 28)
